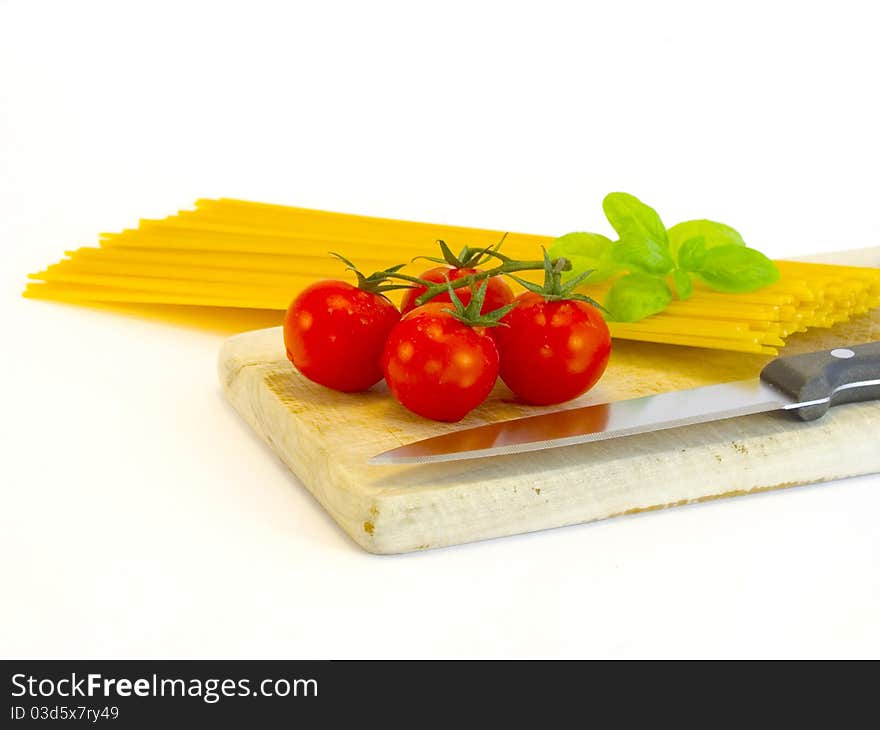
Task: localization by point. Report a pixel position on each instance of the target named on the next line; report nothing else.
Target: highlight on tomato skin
(438, 367)
(498, 293)
(334, 333)
(552, 351)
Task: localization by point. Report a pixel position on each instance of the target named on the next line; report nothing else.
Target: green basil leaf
(713, 233)
(736, 269)
(683, 285)
(633, 220)
(644, 255)
(636, 296)
(586, 252)
(643, 244)
(692, 253)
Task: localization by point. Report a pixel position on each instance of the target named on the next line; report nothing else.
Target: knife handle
(842, 375)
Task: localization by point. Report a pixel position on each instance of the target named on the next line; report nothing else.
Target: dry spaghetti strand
(246, 256)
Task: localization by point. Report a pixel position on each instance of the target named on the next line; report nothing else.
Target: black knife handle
(828, 376)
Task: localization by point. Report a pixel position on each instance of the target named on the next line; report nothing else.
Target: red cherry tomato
(552, 351)
(334, 334)
(497, 292)
(437, 366)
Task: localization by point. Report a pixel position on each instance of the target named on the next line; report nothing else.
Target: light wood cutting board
(326, 437)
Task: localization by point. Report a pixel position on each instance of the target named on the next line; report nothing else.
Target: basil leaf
(633, 220)
(643, 255)
(643, 245)
(585, 251)
(735, 269)
(713, 233)
(692, 253)
(683, 285)
(636, 296)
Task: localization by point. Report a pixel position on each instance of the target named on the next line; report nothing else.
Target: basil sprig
(647, 258)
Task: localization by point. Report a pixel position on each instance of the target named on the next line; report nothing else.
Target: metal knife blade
(593, 423)
(808, 383)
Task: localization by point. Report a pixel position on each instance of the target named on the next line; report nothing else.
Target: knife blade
(805, 385)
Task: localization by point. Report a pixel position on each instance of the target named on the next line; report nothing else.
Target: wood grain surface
(326, 437)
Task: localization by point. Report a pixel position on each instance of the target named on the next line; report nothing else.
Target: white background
(140, 517)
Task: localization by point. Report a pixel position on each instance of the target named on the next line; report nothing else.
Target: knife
(806, 385)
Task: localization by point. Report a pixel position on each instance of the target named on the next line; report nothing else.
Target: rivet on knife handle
(817, 380)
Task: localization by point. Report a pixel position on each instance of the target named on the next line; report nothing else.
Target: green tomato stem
(508, 267)
(412, 279)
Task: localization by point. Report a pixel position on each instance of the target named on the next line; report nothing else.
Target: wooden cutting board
(326, 437)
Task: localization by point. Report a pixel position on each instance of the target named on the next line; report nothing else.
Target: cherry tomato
(334, 334)
(552, 351)
(497, 292)
(437, 366)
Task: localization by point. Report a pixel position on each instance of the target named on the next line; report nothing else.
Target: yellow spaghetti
(257, 256)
